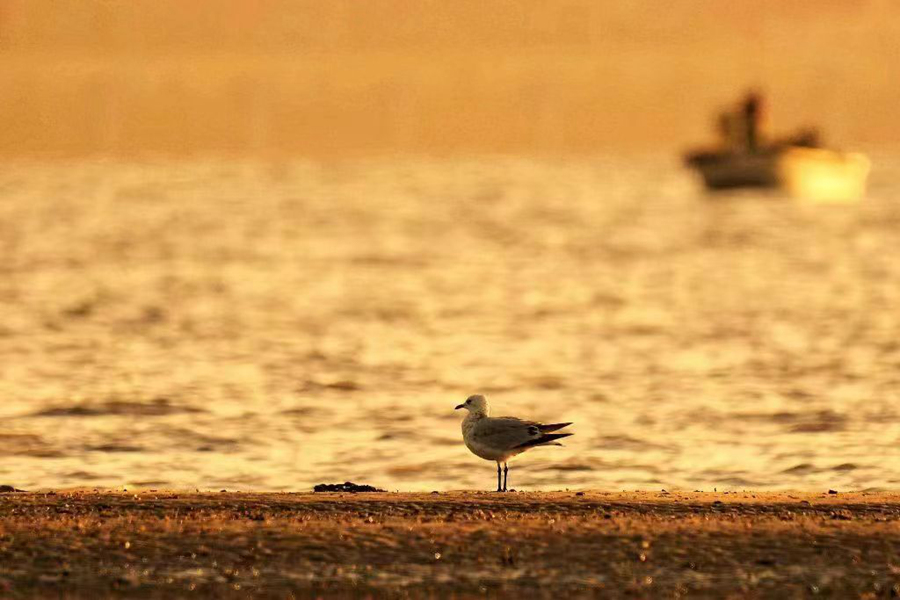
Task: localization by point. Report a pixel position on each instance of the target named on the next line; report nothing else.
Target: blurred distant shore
(323, 79)
(640, 544)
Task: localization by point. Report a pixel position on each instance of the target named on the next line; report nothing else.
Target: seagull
(501, 438)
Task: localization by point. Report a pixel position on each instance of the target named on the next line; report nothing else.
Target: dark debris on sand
(347, 486)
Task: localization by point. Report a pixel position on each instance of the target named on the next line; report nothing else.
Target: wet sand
(457, 544)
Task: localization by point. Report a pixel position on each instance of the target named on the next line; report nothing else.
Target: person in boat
(752, 109)
(729, 131)
(740, 127)
(805, 138)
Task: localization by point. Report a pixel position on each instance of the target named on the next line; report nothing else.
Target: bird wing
(504, 433)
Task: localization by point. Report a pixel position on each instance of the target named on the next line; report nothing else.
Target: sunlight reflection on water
(271, 326)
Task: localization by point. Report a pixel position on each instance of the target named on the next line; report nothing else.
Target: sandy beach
(454, 544)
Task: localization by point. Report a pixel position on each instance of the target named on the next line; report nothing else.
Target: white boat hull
(821, 175)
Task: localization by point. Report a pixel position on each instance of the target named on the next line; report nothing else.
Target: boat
(797, 164)
(814, 174)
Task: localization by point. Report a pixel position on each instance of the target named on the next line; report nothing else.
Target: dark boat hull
(726, 170)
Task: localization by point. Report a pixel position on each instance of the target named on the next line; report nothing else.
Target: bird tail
(544, 440)
(552, 427)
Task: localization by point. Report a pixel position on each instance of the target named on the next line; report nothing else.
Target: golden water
(269, 326)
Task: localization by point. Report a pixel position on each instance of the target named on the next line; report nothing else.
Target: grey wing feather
(505, 432)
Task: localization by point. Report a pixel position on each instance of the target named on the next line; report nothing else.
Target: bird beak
(460, 406)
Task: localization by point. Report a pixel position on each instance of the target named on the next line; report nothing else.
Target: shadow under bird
(501, 438)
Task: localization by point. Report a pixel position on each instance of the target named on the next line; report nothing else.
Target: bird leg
(498, 478)
(505, 474)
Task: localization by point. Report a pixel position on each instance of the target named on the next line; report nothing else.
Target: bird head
(475, 404)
